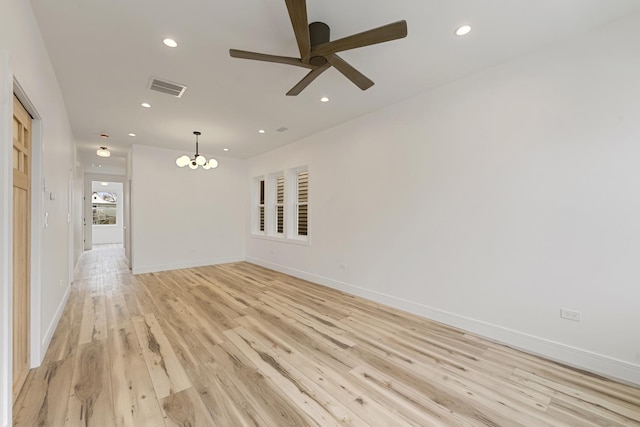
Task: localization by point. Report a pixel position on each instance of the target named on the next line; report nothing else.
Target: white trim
(70, 221)
(610, 367)
(46, 340)
(282, 239)
(6, 200)
(181, 265)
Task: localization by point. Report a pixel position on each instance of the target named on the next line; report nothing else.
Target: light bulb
(193, 165)
(200, 160)
(206, 166)
(213, 163)
(182, 161)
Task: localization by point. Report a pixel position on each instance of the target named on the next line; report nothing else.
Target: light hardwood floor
(240, 345)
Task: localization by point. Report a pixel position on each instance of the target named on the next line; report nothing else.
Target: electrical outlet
(574, 315)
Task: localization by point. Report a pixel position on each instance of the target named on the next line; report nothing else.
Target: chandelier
(198, 159)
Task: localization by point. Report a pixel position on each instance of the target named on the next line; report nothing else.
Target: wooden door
(21, 243)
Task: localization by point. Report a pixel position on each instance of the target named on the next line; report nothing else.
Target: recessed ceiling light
(132, 134)
(146, 105)
(324, 99)
(261, 131)
(225, 149)
(170, 42)
(463, 30)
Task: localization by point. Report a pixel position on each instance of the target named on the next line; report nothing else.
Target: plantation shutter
(303, 200)
(280, 204)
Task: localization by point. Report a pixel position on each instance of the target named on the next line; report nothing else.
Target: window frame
(258, 210)
(285, 202)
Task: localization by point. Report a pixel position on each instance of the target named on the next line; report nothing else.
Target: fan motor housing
(318, 33)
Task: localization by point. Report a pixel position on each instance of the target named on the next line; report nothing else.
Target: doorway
(21, 243)
(107, 213)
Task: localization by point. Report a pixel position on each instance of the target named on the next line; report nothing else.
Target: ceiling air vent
(165, 86)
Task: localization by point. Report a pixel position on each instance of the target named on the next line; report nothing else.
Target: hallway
(239, 345)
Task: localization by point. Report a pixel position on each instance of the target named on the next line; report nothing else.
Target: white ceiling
(104, 53)
(111, 186)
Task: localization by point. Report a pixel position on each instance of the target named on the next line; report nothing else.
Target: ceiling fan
(317, 53)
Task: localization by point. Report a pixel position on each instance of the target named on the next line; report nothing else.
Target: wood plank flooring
(240, 345)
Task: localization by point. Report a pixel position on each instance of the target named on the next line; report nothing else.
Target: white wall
(491, 203)
(25, 59)
(184, 218)
(110, 233)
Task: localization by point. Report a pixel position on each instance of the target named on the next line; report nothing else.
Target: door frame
(9, 86)
(6, 229)
(88, 216)
(37, 219)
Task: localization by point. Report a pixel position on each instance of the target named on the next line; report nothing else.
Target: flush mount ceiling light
(146, 105)
(198, 159)
(463, 30)
(103, 152)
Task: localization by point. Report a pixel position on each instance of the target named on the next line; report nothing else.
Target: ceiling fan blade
(396, 30)
(306, 80)
(349, 72)
(268, 58)
(298, 15)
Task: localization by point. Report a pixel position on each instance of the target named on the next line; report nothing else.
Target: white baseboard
(184, 264)
(46, 340)
(579, 358)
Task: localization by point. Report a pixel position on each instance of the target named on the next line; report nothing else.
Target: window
(261, 206)
(281, 203)
(303, 203)
(104, 204)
